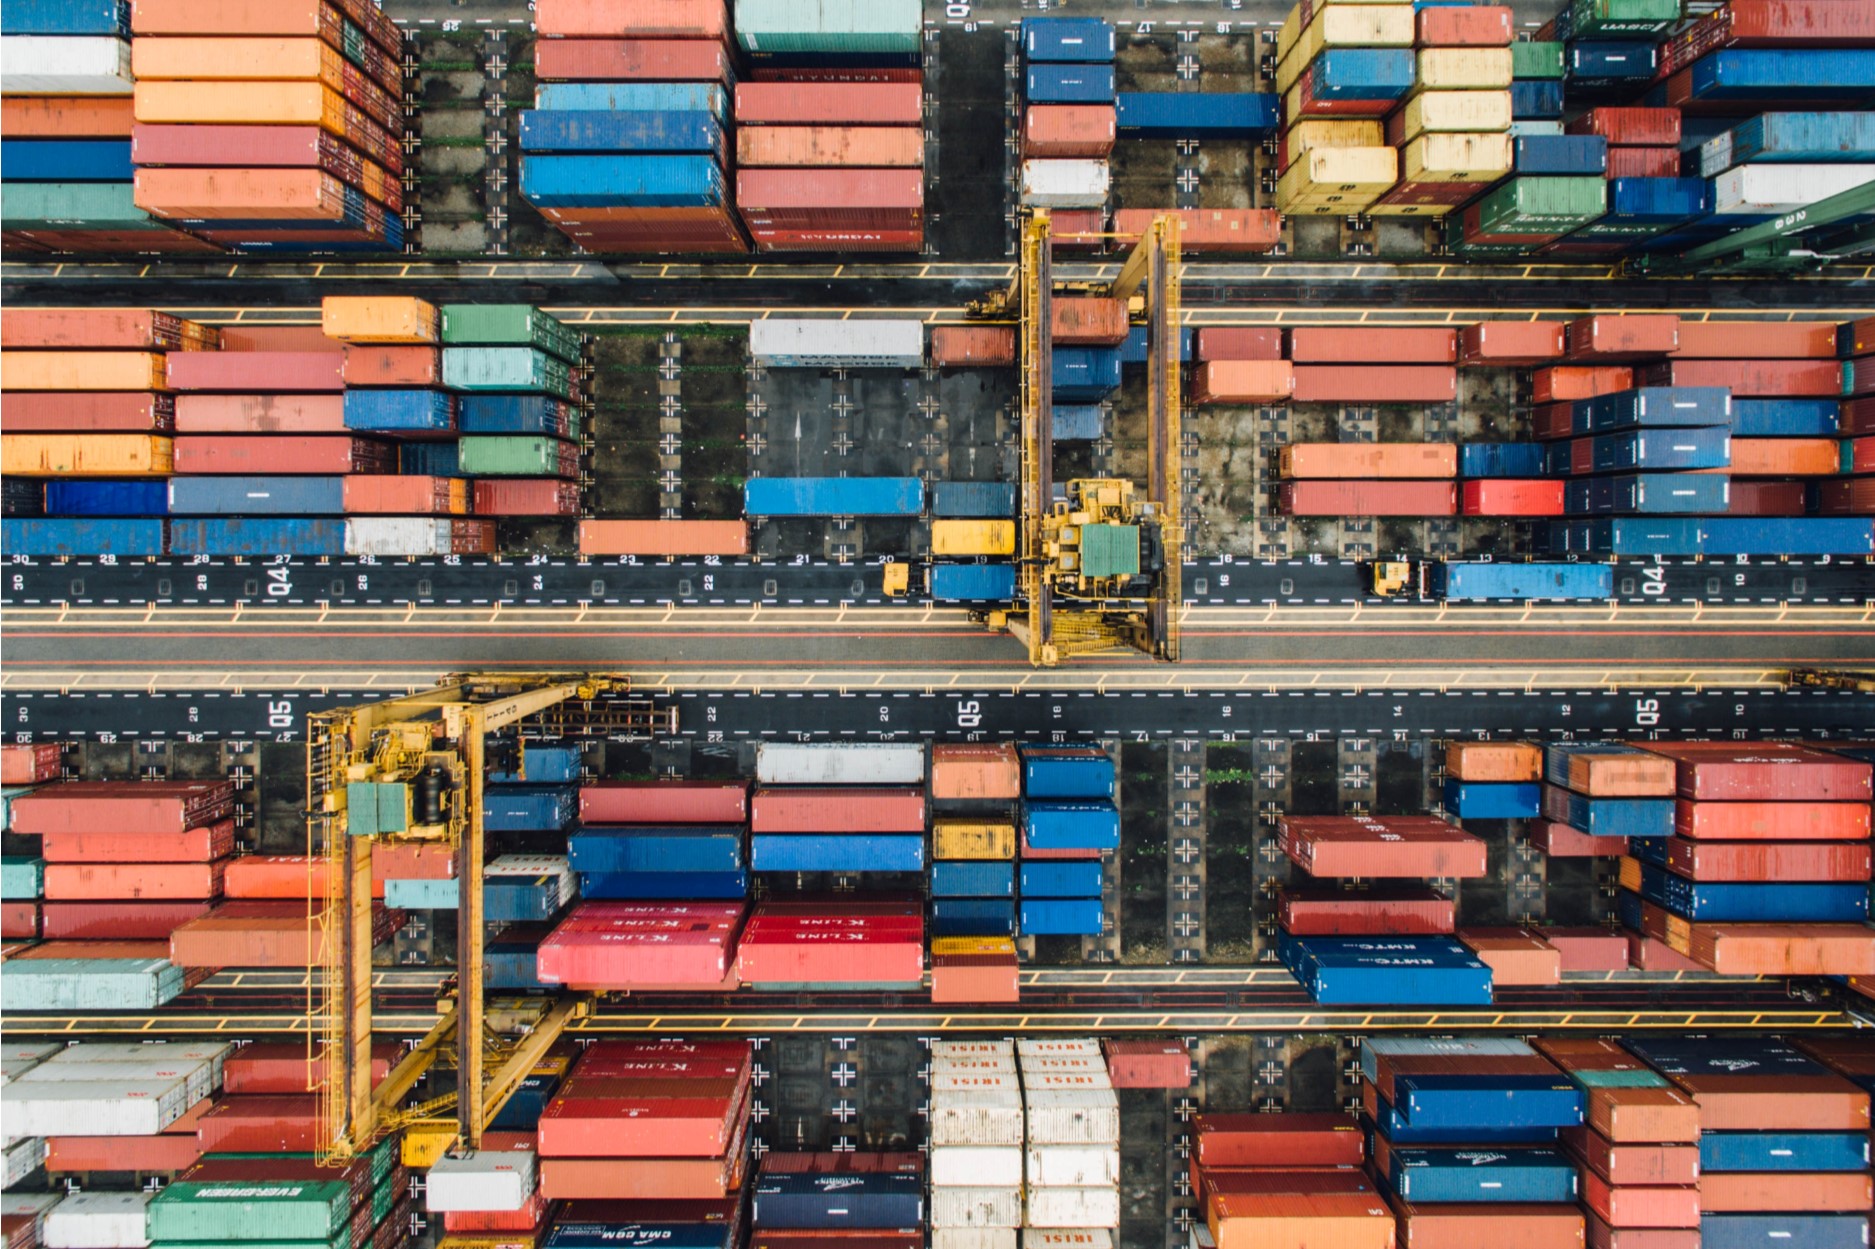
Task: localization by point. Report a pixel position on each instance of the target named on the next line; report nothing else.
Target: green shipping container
(1617, 231)
(72, 206)
(1600, 19)
(830, 25)
(506, 369)
(1110, 550)
(304, 1210)
(1542, 205)
(22, 879)
(1536, 60)
(1458, 245)
(88, 983)
(508, 325)
(509, 455)
(1618, 1079)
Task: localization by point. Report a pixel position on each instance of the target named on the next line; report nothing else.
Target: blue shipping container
(1373, 1049)
(1429, 1175)
(511, 958)
(1608, 63)
(1085, 374)
(1070, 84)
(278, 535)
(1654, 450)
(22, 535)
(1787, 535)
(1352, 971)
(400, 411)
(1536, 98)
(1656, 493)
(1641, 536)
(639, 1236)
(973, 583)
(1399, 1132)
(1810, 138)
(1755, 1231)
(1783, 1151)
(543, 765)
(1196, 115)
(66, 160)
(433, 459)
(1083, 39)
(1776, 902)
(1652, 405)
(510, 414)
(1473, 582)
(833, 496)
(1479, 800)
(632, 97)
(1844, 74)
(1088, 775)
(1585, 154)
(972, 917)
(1612, 817)
(1137, 350)
(528, 808)
(1501, 459)
(702, 848)
(658, 886)
(69, 496)
(1784, 418)
(236, 495)
(848, 1199)
(835, 852)
(519, 899)
(65, 17)
(587, 130)
(1060, 917)
(1044, 879)
(1658, 201)
(1458, 1101)
(1071, 825)
(623, 181)
(1363, 73)
(973, 498)
(1722, 1055)
(1076, 423)
(986, 879)
(523, 1109)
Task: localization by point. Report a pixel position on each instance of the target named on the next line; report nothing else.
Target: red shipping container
(1026, 851)
(242, 372)
(1369, 498)
(1370, 344)
(808, 956)
(531, 496)
(1768, 861)
(96, 412)
(262, 454)
(1147, 1064)
(370, 364)
(1621, 336)
(275, 147)
(1587, 1053)
(1253, 342)
(1652, 954)
(123, 806)
(1766, 498)
(532, 1214)
(1645, 1163)
(1083, 131)
(391, 494)
(1630, 126)
(1077, 229)
(1285, 1140)
(632, 60)
(1211, 1183)
(1629, 1206)
(1565, 383)
(1861, 454)
(1553, 420)
(19, 920)
(1456, 1225)
(1849, 497)
(1750, 379)
(260, 414)
(638, 1127)
(663, 19)
(114, 242)
(1798, 1192)
(1306, 912)
(1243, 381)
(1509, 343)
(1777, 1103)
(91, 329)
(831, 199)
(1085, 321)
(1480, 26)
(1756, 340)
(1588, 949)
(1220, 231)
(1642, 162)
(774, 239)
(1323, 383)
(961, 346)
(1764, 772)
(29, 764)
(1785, 949)
(1561, 841)
(285, 1067)
(829, 104)
(631, 945)
(117, 921)
(261, 1124)
(812, 809)
(165, 1153)
(1419, 846)
(664, 802)
(1511, 497)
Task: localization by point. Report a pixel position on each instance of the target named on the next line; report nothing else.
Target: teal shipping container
(508, 325)
(506, 368)
(841, 26)
(22, 879)
(88, 983)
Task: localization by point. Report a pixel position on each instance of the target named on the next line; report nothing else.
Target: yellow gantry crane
(410, 770)
(1082, 584)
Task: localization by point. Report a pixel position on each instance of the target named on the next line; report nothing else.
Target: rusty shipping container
(970, 346)
(969, 772)
(1221, 231)
(857, 147)
(817, 809)
(260, 414)
(1764, 772)
(263, 454)
(1502, 344)
(1085, 321)
(1068, 131)
(123, 806)
(1369, 498)
(1219, 342)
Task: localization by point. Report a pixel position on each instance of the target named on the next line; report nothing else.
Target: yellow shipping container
(1463, 69)
(968, 839)
(81, 370)
(243, 103)
(379, 319)
(973, 945)
(1344, 26)
(1452, 112)
(86, 455)
(1348, 176)
(973, 537)
(1301, 16)
(1457, 158)
(1314, 133)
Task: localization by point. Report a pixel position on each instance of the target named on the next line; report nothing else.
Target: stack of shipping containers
(973, 840)
(1069, 120)
(1069, 824)
(1454, 129)
(976, 1144)
(495, 1188)
(1340, 68)
(271, 128)
(1071, 1180)
(813, 1198)
(1287, 1179)
(517, 373)
(842, 810)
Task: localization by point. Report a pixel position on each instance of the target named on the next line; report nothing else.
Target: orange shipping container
(1630, 1206)
(1756, 340)
(1399, 383)
(1300, 1221)
(275, 338)
(260, 414)
(666, 1179)
(852, 147)
(1660, 1116)
(1777, 1103)
(1415, 461)
(262, 17)
(1070, 131)
(66, 116)
(1457, 1225)
(1494, 761)
(663, 537)
(1798, 1192)
(86, 455)
(82, 370)
(969, 772)
(1566, 382)
(1783, 457)
(1369, 344)
(638, 19)
(1622, 336)
(1206, 230)
(1244, 381)
(956, 346)
(1515, 957)
(1083, 321)
(237, 59)
(1619, 775)
(369, 365)
(975, 978)
(89, 882)
(379, 319)
(1501, 343)
(391, 494)
(261, 194)
(262, 934)
(93, 329)
(1771, 821)
(1785, 949)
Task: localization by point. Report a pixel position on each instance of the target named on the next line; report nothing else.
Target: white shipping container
(1001, 1064)
(830, 763)
(1074, 1207)
(26, 1155)
(976, 1118)
(825, 343)
(973, 1049)
(976, 1166)
(1072, 1166)
(1775, 188)
(98, 1221)
(214, 1053)
(482, 1179)
(391, 536)
(195, 1074)
(12, 1069)
(970, 1081)
(555, 866)
(28, 1051)
(976, 1207)
(66, 65)
(973, 1238)
(95, 1108)
(1073, 1117)
(1062, 1064)
(1068, 1238)
(1076, 1047)
(1064, 1080)
(1065, 183)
